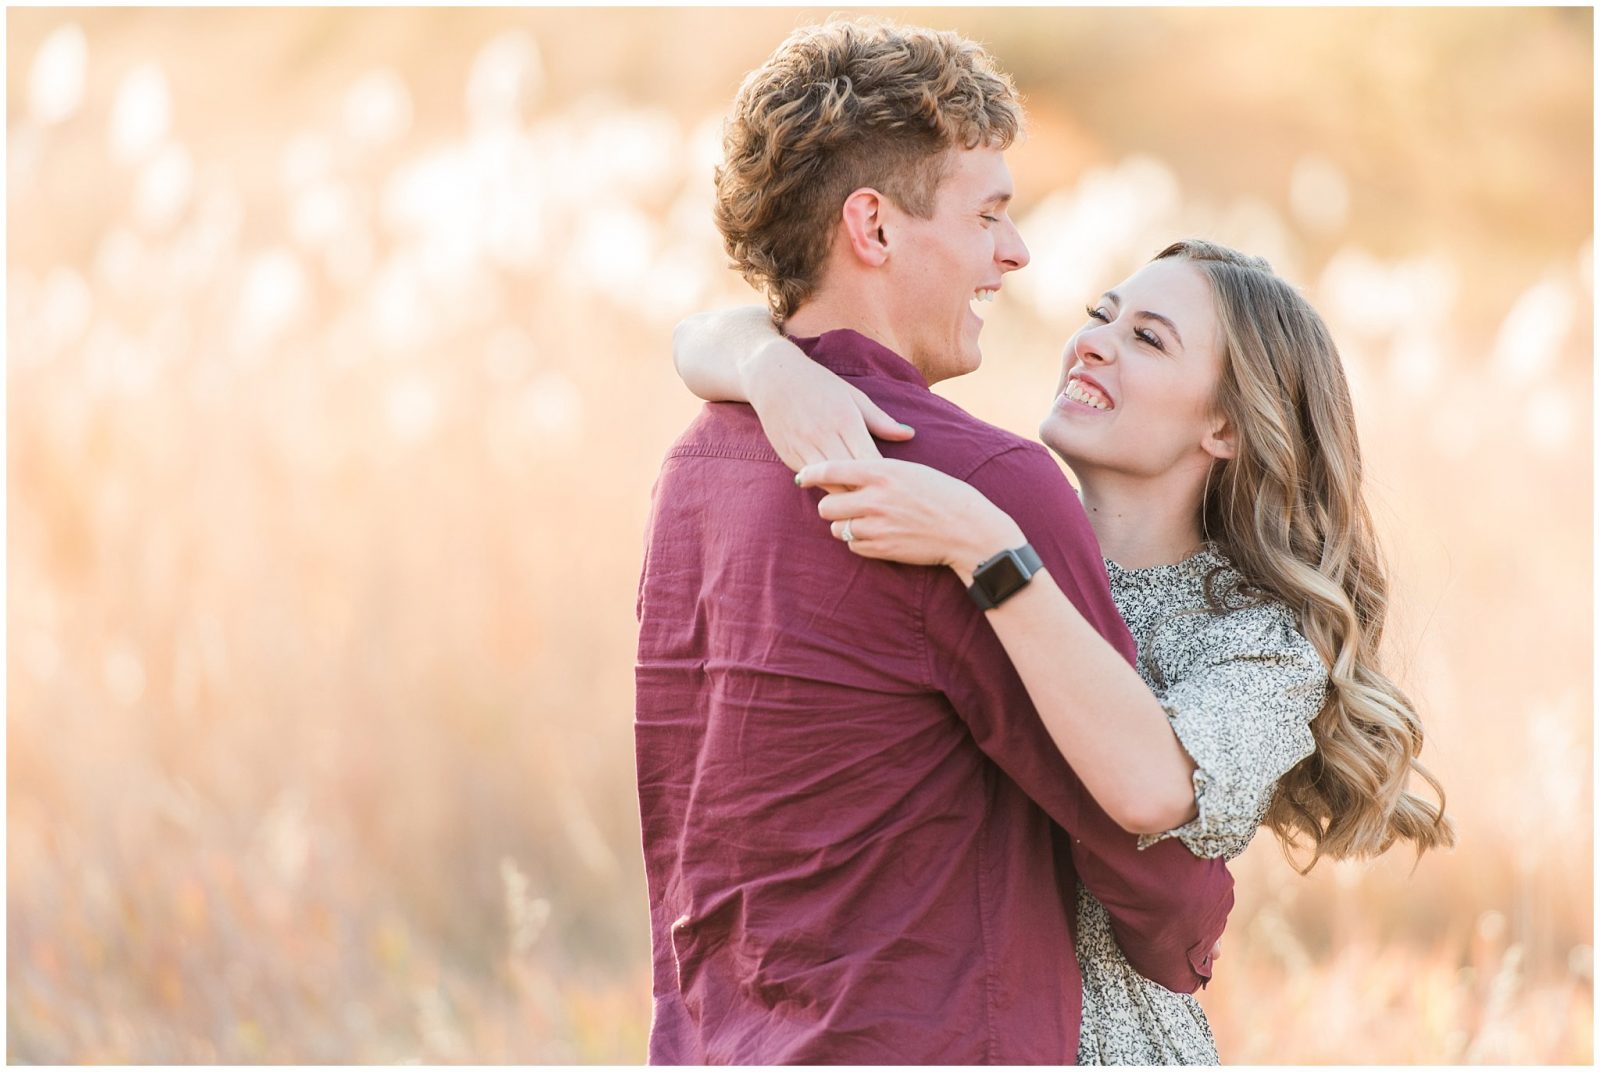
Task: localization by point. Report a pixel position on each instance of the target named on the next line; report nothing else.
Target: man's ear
(863, 219)
(1220, 441)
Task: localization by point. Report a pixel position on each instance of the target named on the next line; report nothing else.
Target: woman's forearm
(1101, 715)
(1099, 712)
(713, 351)
(807, 411)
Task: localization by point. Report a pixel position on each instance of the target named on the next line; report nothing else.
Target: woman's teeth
(984, 295)
(1079, 391)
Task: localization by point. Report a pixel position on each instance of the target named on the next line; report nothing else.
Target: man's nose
(1012, 251)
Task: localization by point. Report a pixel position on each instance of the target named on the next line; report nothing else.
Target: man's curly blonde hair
(837, 107)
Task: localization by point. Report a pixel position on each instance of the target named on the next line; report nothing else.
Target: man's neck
(832, 311)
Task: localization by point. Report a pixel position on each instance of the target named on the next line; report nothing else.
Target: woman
(1205, 413)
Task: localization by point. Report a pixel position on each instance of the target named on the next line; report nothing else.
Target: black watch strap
(999, 578)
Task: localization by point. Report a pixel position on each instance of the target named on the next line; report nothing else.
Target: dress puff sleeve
(1241, 707)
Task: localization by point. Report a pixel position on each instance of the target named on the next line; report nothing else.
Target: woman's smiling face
(1139, 379)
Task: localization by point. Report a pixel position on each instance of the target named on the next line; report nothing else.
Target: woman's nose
(1094, 347)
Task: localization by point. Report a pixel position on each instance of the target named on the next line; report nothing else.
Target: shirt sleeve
(1242, 710)
(1167, 906)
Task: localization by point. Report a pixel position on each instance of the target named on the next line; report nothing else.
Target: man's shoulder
(954, 441)
(724, 430)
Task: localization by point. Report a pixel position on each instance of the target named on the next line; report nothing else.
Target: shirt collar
(847, 352)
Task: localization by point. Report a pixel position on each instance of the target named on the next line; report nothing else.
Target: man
(860, 842)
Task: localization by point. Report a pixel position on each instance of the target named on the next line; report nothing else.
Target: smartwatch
(999, 578)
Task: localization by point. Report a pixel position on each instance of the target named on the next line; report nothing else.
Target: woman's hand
(905, 512)
(808, 413)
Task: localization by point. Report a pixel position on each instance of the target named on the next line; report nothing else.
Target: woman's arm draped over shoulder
(808, 413)
(1102, 717)
(709, 350)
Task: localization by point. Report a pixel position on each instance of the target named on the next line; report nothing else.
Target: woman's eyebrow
(1170, 325)
(1116, 299)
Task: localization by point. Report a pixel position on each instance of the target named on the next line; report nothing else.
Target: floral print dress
(1240, 689)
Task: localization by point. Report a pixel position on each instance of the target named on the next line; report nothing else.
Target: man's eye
(1096, 313)
(989, 219)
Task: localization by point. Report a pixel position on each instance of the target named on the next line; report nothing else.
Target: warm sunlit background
(338, 376)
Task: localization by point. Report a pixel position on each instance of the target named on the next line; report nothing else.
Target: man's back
(841, 777)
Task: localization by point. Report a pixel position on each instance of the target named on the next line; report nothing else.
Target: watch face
(1001, 577)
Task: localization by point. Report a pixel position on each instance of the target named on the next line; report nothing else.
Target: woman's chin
(1057, 433)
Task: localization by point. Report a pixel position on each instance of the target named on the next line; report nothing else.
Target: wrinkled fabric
(861, 845)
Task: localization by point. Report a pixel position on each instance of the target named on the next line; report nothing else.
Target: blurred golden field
(337, 378)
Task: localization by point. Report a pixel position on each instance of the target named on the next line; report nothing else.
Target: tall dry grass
(337, 382)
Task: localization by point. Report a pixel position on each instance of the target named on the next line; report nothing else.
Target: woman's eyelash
(1144, 335)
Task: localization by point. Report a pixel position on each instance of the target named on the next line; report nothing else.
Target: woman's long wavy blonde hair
(1288, 511)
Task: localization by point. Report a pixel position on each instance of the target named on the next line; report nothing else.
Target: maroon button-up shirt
(860, 842)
